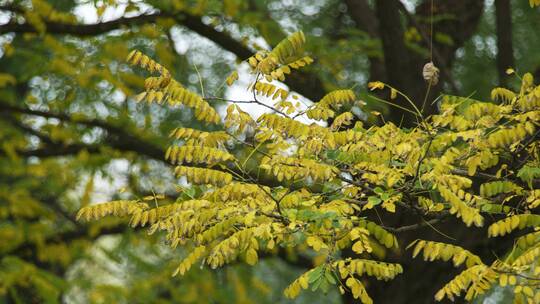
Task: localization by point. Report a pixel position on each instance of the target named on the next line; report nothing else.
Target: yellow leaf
(358, 247)
(393, 93)
(390, 207)
(7, 79)
(389, 240)
(303, 280)
(437, 207)
(503, 280)
(375, 85)
(251, 256)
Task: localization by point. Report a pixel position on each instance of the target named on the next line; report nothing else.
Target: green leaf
(528, 174)
(325, 286)
(329, 276)
(373, 200)
(317, 283)
(315, 274)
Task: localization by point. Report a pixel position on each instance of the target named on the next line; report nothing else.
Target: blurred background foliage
(70, 134)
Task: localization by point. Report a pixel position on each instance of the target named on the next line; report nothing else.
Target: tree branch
(304, 83)
(191, 22)
(123, 140)
(414, 226)
(119, 139)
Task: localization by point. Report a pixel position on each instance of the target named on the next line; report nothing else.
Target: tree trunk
(505, 52)
(401, 72)
(365, 20)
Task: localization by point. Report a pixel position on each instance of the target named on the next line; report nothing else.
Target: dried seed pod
(431, 73)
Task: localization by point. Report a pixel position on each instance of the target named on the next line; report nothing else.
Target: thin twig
(392, 104)
(200, 79)
(247, 101)
(427, 95)
(436, 53)
(517, 274)
(412, 227)
(421, 160)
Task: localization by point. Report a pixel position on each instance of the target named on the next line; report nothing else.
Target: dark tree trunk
(505, 52)
(402, 66)
(401, 72)
(365, 20)
(460, 24)
(421, 280)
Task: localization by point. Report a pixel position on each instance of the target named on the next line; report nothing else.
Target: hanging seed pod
(431, 73)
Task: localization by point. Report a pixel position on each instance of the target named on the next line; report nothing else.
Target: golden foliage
(116, 208)
(508, 136)
(196, 137)
(203, 176)
(277, 63)
(284, 53)
(461, 208)
(332, 101)
(196, 154)
(165, 89)
(502, 94)
(136, 57)
(511, 223)
(494, 188)
(434, 250)
(270, 90)
(274, 182)
(379, 270)
(193, 257)
(475, 280)
(288, 168)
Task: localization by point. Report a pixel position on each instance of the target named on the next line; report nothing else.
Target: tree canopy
(269, 147)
